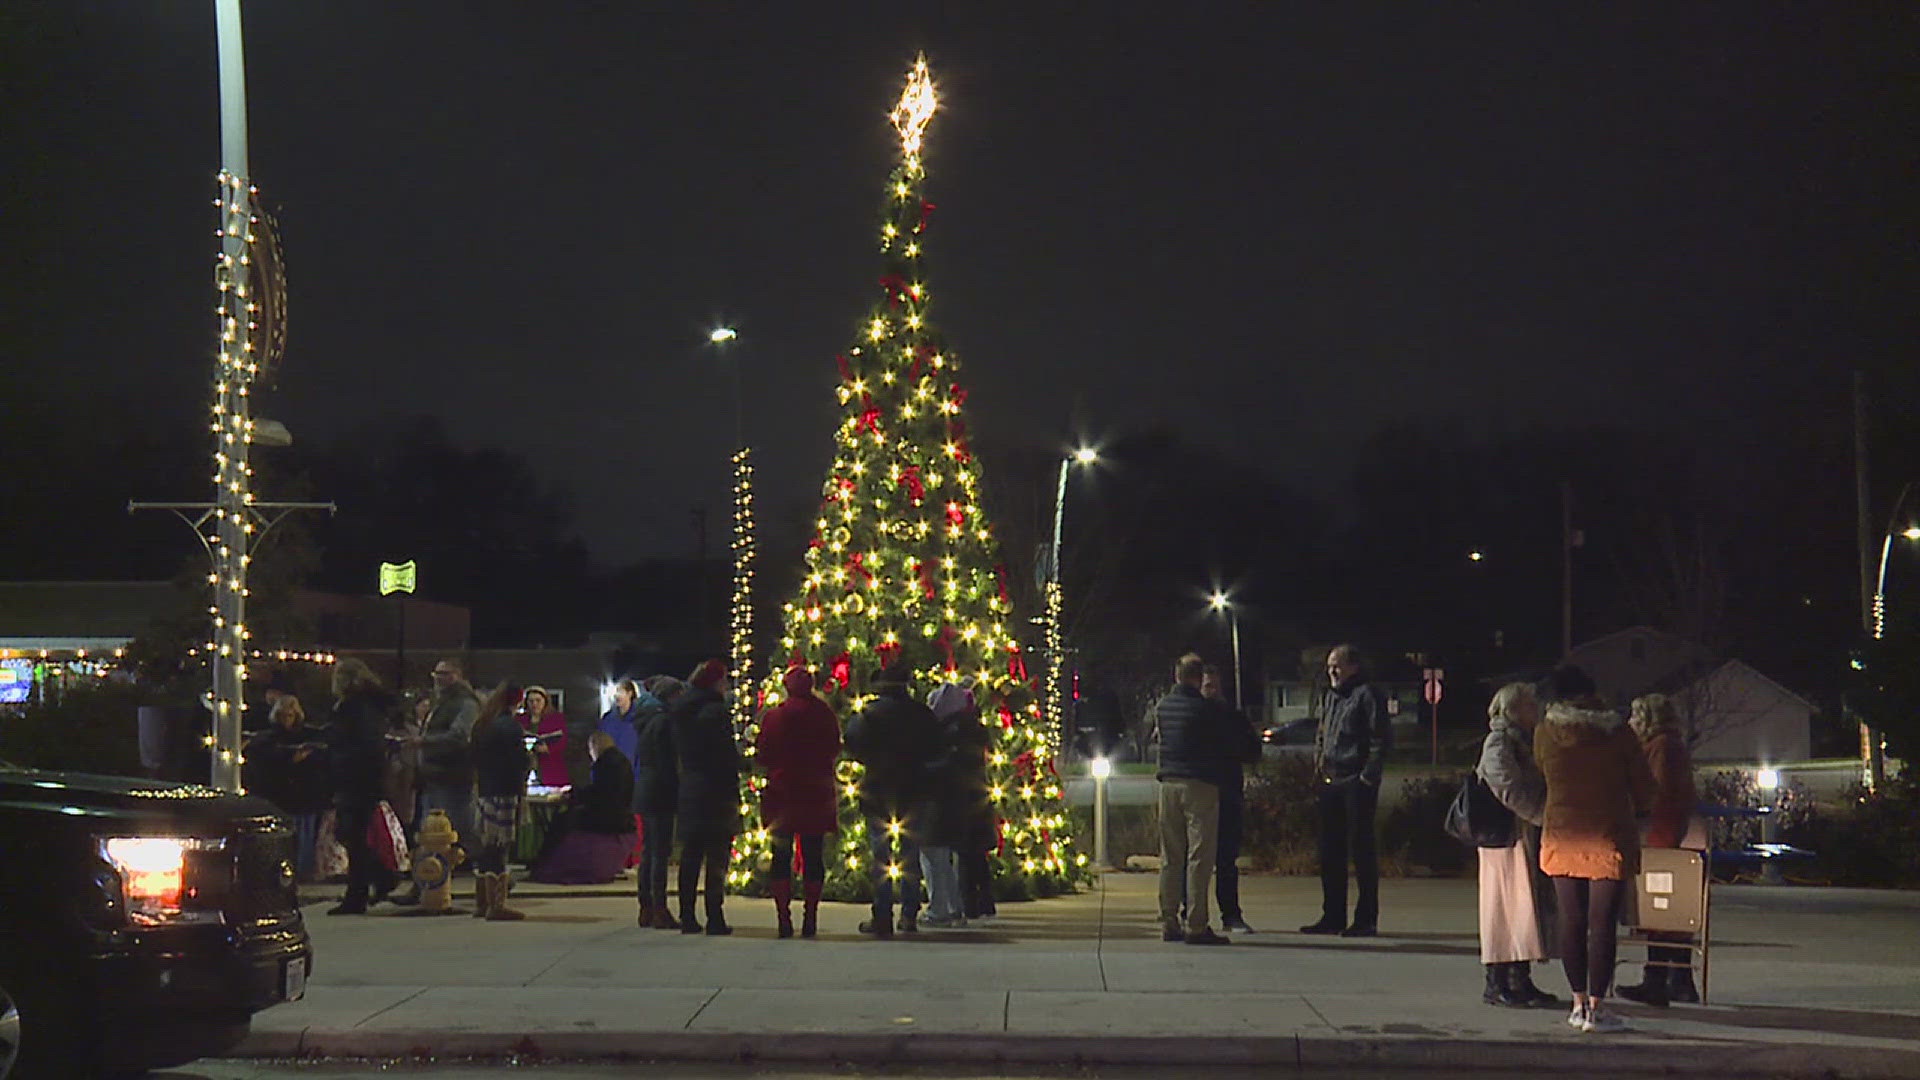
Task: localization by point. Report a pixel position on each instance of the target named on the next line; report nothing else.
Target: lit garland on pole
(234, 373)
(741, 664)
(903, 570)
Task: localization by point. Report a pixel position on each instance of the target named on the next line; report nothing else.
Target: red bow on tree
(916, 487)
(841, 667)
(1006, 718)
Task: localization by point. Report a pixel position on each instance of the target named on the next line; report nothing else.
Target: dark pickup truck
(142, 924)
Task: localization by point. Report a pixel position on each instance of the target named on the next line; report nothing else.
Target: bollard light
(1768, 779)
(1102, 768)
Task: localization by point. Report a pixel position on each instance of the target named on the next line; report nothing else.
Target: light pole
(1055, 597)
(1221, 603)
(740, 646)
(1872, 743)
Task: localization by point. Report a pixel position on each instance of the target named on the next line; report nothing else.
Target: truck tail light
(157, 876)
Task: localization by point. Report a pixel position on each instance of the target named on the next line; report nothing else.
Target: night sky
(1280, 227)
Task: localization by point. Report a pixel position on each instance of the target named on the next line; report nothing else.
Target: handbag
(387, 839)
(1477, 819)
(329, 854)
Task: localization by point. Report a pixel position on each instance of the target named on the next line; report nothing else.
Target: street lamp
(1055, 598)
(740, 629)
(1221, 603)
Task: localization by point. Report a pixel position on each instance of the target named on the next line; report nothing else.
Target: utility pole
(1872, 759)
(1567, 544)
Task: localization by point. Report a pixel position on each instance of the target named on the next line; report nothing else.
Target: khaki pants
(1189, 833)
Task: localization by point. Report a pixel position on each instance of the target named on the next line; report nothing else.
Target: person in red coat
(798, 744)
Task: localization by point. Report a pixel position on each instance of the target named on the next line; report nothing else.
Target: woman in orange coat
(1597, 785)
(798, 744)
(1657, 723)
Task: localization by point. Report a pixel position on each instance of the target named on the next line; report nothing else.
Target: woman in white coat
(1515, 902)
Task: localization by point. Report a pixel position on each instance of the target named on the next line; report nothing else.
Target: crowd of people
(665, 774)
(1587, 789)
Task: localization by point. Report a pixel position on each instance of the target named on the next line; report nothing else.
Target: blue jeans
(943, 882)
(880, 851)
(457, 801)
(306, 832)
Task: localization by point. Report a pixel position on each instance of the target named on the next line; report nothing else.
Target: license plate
(295, 982)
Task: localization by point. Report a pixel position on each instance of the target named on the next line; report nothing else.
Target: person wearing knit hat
(709, 805)
(708, 674)
(799, 742)
(656, 796)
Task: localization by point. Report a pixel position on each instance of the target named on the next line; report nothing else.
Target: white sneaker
(1601, 1022)
(1577, 1019)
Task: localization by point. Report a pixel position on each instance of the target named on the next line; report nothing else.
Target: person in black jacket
(897, 739)
(576, 849)
(656, 795)
(500, 763)
(1195, 735)
(356, 756)
(286, 765)
(1244, 747)
(709, 808)
(1350, 753)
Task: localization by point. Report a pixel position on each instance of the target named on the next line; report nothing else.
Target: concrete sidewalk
(1805, 982)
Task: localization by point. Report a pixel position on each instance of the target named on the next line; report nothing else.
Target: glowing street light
(1221, 603)
(722, 334)
(1476, 556)
(1087, 455)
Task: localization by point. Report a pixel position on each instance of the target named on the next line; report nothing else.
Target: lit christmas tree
(903, 569)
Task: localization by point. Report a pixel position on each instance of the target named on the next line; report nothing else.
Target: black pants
(365, 872)
(1588, 911)
(1226, 871)
(1346, 832)
(656, 850)
(713, 851)
(812, 856)
(976, 883)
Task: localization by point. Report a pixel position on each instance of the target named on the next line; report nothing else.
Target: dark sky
(1281, 226)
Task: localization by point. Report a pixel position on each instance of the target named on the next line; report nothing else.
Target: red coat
(799, 742)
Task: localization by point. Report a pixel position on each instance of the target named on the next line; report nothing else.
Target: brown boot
(646, 915)
(500, 912)
(482, 894)
(810, 912)
(783, 905)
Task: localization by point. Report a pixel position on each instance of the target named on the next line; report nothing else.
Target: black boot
(1497, 992)
(1520, 985)
(1652, 989)
(1680, 988)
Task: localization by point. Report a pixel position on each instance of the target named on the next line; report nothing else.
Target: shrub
(1793, 806)
(1282, 819)
(92, 727)
(1414, 833)
(1873, 842)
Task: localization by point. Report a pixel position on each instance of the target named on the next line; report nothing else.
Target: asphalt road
(377, 1070)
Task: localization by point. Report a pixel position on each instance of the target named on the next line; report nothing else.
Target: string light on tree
(903, 569)
(741, 656)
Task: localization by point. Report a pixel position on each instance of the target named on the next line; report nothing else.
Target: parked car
(142, 924)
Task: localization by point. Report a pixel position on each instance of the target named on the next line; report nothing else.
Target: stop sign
(1434, 677)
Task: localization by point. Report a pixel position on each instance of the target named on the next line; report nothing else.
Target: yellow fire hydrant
(433, 863)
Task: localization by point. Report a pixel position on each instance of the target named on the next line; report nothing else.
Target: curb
(1334, 1055)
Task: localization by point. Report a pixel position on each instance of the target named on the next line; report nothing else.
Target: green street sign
(397, 577)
